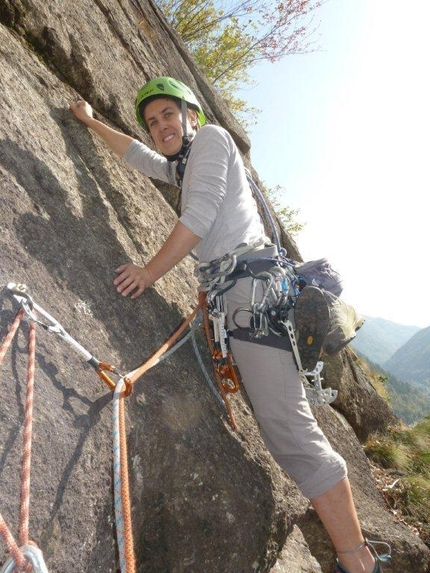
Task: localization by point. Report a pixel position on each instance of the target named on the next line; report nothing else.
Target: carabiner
(33, 555)
(19, 293)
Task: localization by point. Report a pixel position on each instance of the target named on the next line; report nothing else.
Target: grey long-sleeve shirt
(217, 203)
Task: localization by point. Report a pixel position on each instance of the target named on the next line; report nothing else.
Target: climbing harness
(275, 288)
(277, 282)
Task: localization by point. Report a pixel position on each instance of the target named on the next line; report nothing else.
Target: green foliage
(286, 215)
(382, 379)
(406, 451)
(228, 37)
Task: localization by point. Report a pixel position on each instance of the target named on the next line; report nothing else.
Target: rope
(121, 485)
(9, 337)
(133, 376)
(192, 334)
(182, 341)
(267, 212)
(204, 371)
(17, 555)
(27, 438)
(14, 550)
(120, 460)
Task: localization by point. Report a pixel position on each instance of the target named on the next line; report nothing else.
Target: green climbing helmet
(168, 87)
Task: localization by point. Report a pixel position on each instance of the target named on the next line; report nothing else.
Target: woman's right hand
(132, 280)
(82, 111)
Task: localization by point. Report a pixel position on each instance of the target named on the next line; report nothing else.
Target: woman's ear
(192, 116)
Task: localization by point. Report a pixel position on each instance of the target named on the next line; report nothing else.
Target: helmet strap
(184, 109)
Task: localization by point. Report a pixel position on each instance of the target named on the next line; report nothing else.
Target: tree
(228, 37)
(286, 215)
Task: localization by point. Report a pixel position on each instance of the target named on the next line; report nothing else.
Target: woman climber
(217, 214)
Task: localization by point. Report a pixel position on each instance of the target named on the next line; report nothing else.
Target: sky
(345, 131)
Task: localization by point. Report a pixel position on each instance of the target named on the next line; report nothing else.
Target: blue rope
(204, 371)
(191, 334)
(119, 518)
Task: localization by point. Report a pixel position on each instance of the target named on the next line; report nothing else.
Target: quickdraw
(19, 293)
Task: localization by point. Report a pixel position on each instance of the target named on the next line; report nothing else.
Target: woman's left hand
(132, 280)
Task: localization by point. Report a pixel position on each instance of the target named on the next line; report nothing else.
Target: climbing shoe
(384, 558)
(344, 323)
(312, 321)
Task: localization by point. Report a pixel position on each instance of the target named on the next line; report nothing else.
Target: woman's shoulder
(210, 132)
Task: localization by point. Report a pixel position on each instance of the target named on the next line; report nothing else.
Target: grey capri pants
(288, 427)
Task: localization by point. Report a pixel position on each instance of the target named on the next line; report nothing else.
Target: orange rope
(136, 374)
(129, 380)
(16, 554)
(126, 498)
(27, 438)
(9, 337)
(18, 557)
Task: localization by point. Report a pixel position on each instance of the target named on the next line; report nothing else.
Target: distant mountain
(378, 339)
(411, 362)
(408, 401)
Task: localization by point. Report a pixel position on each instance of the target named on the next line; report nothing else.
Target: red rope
(9, 337)
(17, 555)
(14, 550)
(27, 438)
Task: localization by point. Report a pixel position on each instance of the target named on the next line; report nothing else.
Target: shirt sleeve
(206, 180)
(140, 157)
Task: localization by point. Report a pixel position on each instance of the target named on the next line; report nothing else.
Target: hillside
(204, 498)
(378, 339)
(411, 362)
(410, 402)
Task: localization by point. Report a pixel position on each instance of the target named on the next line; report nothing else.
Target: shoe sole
(312, 318)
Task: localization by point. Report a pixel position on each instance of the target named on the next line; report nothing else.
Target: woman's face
(163, 117)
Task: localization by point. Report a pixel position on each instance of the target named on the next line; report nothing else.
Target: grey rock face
(205, 499)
